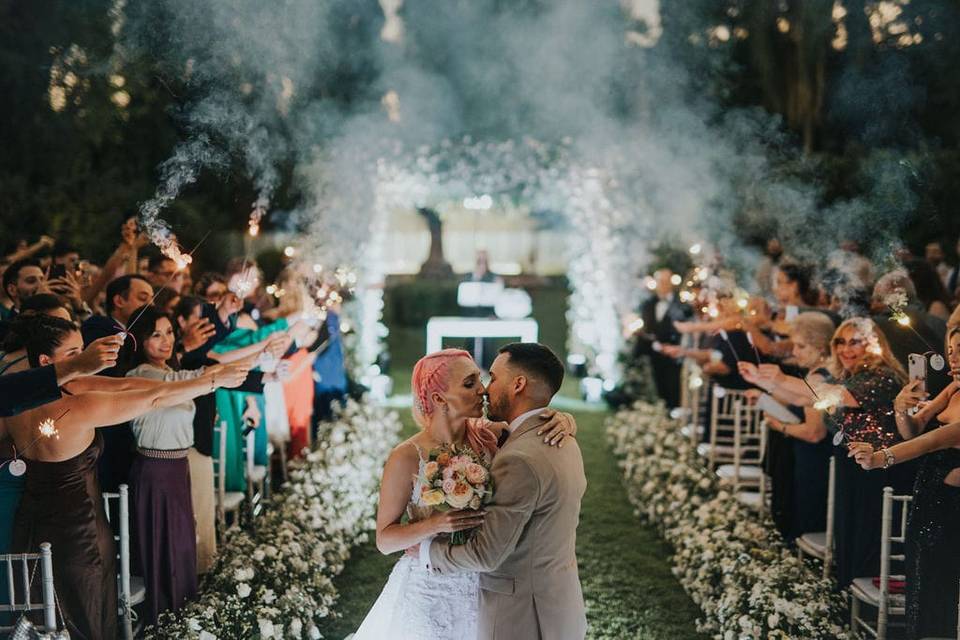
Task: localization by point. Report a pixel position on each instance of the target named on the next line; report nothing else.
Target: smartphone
(917, 370)
(791, 313)
(58, 271)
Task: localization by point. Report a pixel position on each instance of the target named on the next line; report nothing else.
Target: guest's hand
(559, 425)
(69, 287)
(251, 415)
(773, 423)
(748, 371)
(865, 456)
(196, 333)
(672, 350)
(99, 355)
(230, 376)
(909, 397)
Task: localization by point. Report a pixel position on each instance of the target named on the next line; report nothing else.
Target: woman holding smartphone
(933, 561)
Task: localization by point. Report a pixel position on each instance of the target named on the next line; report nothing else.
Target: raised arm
(943, 438)
(811, 430)
(517, 492)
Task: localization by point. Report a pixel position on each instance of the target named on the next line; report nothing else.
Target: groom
(525, 550)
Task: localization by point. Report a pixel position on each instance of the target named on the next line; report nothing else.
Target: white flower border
(732, 563)
(277, 581)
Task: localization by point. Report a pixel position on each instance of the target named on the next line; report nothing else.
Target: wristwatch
(888, 458)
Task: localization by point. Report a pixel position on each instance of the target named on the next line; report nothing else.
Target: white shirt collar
(523, 417)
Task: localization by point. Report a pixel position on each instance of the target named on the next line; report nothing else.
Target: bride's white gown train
(417, 604)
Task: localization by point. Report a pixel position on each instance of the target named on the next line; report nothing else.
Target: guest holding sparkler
(165, 538)
(858, 398)
(933, 528)
(61, 502)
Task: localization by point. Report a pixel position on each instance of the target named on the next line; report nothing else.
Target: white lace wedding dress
(417, 604)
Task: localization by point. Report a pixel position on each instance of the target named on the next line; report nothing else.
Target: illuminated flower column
(594, 265)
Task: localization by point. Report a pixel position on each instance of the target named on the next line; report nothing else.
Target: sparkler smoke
(621, 87)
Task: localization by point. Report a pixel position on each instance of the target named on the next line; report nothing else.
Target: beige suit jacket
(526, 549)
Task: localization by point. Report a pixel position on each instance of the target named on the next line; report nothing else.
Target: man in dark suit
(658, 313)
(125, 295)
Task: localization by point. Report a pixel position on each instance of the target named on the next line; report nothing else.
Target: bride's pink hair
(431, 375)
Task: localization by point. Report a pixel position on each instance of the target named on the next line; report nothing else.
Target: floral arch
(357, 190)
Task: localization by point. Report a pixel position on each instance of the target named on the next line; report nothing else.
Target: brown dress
(62, 505)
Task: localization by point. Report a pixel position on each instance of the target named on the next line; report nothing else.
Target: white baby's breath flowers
(279, 578)
(733, 564)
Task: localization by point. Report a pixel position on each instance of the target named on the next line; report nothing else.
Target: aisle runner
(733, 564)
(276, 582)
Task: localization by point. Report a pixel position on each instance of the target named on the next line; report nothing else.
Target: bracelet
(888, 458)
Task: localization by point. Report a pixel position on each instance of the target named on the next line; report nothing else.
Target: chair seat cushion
(138, 590)
(233, 499)
(864, 590)
(814, 544)
(747, 472)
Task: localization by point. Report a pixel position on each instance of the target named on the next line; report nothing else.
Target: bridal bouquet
(455, 477)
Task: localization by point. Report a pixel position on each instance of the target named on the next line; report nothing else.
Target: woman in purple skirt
(164, 533)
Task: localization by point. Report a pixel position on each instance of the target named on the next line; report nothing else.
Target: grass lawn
(624, 567)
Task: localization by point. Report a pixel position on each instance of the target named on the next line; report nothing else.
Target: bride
(417, 604)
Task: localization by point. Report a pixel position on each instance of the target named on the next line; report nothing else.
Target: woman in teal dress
(231, 404)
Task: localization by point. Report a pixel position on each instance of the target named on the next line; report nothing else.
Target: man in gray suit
(526, 549)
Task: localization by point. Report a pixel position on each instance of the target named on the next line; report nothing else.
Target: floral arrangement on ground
(731, 561)
(276, 581)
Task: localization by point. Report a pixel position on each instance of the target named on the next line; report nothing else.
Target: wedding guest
(163, 272)
(61, 502)
(329, 370)
(211, 287)
(865, 379)
(792, 286)
(894, 295)
(21, 280)
(165, 539)
(929, 289)
(773, 254)
(933, 527)
(125, 295)
(811, 335)
(659, 312)
(934, 257)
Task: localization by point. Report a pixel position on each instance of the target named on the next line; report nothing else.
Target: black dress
(811, 475)
(858, 493)
(62, 505)
(933, 548)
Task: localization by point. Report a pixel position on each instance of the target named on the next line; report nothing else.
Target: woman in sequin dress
(858, 398)
(933, 528)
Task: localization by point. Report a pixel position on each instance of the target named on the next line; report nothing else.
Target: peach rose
(431, 497)
(443, 458)
(475, 473)
(431, 469)
(461, 495)
(449, 485)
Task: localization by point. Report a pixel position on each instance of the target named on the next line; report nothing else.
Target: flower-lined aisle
(276, 581)
(733, 563)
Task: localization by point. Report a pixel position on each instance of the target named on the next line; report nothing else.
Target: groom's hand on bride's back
(557, 428)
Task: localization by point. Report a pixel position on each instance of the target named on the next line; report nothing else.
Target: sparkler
(902, 319)
(48, 429)
(723, 334)
(181, 264)
(756, 352)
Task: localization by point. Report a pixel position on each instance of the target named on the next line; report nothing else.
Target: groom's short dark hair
(537, 360)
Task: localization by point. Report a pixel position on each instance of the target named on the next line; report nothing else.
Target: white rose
(194, 624)
(296, 627)
(243, 589)
(258, 555)
(269, 596)
(266, 628)
(206, 635)
(314, 633)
